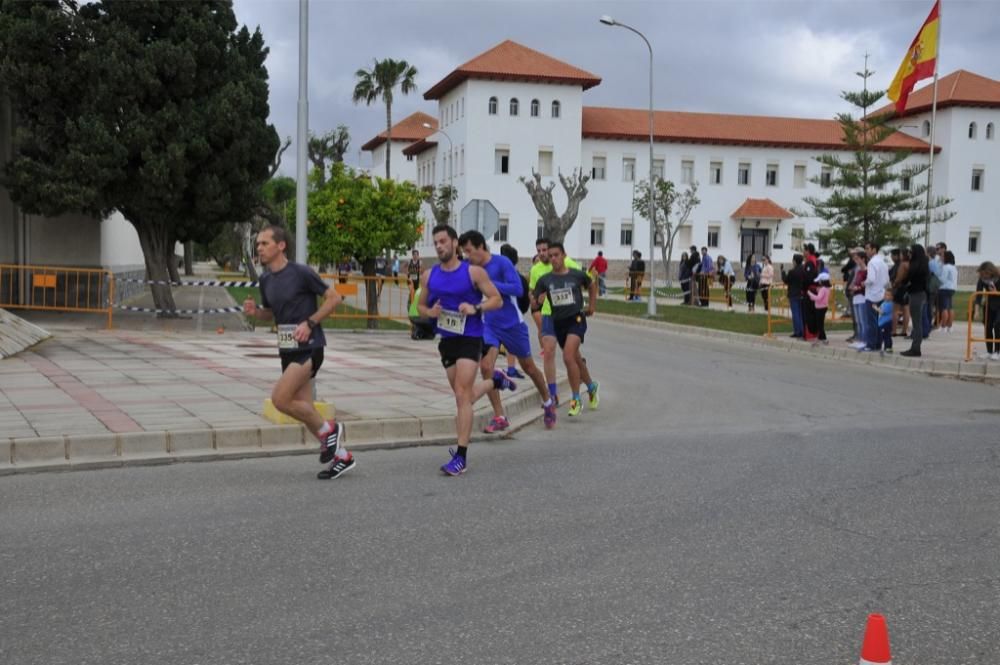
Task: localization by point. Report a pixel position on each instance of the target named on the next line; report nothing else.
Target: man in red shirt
(600, 266)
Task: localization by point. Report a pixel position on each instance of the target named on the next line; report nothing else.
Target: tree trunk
(171, 259)
(371, 292)
(153, 240)
(388, 138)
(189, 258)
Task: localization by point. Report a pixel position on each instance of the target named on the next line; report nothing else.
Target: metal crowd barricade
(393, 295)
(779, 311)
(57, 288)
(969, 339)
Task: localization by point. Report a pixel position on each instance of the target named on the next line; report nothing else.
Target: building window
(544, 162)
(502, 229)
(628, 169)
(715, 173)
(687, 171)
(555, 109)
(906, 184)
(977, 180)
(513, 106)
(463, 107)
(927, 128)
(771, 175)
(972, 130)
(974, 242)
(658, 169)
(800, 176)
(535, 108)
(798, 238)
(826, 177)
(713, 237)
(597, 232)
(597, 171)
(493, 105)
(626, 234)
(743, 175)
(540, 233)
(989, 132)
(502, 158)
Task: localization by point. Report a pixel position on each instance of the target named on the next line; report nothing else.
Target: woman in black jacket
(917, 290)
(989, 281)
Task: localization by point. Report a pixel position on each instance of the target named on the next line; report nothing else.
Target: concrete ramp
(16, 334)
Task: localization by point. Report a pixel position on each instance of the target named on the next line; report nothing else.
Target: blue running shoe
(502, 382)
(456, 466)
(514, 374)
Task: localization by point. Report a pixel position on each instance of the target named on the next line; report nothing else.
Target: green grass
(755, 324)
(240, 294)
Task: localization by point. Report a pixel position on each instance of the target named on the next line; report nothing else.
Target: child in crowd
(821, 299)
(885, 323)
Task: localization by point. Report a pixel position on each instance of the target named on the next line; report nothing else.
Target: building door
(754, 241)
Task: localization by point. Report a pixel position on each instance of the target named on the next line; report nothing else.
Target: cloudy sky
(766, 57)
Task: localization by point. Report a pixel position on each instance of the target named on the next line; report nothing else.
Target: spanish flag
(920, 61)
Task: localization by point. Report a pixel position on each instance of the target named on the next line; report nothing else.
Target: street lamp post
(451, 169)
(651, 310)
(301, 222)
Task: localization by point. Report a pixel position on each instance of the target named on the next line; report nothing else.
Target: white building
(513, 109)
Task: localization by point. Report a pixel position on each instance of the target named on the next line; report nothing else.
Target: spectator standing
(395, 269)
(751, 273)
(989, 281)
(821, 300)
(795, 281)
(847, 273)
(636, 271)
(600, 266)
(885, 323)
(684, 278)
(858, 300)
(706, 272)
(900, 299)
(875, 285)
(917, 288)
(766, 279)
(413, 270)
(726, 278)
(811, 267)
(946, 294)
(934, 263)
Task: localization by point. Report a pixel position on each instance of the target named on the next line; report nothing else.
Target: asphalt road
(723, 506)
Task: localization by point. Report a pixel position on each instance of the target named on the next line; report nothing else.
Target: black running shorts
(571, 325)
(460, 346)
(300, 357)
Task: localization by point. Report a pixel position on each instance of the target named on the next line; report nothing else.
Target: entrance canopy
(762, 209)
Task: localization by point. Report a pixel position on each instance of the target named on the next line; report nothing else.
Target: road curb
(949, 369)
(103, 451)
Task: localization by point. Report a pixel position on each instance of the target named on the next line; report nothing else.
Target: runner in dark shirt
(288, 294)
(563, 287)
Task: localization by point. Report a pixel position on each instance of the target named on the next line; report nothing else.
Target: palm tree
(379, 82)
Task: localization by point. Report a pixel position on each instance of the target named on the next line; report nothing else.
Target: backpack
(523, 300)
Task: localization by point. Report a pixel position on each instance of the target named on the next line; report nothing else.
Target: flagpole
(930, 152)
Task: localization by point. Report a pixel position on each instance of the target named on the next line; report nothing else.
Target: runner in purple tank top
(456, 294)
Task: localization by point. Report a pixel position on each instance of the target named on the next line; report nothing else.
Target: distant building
(513, 109)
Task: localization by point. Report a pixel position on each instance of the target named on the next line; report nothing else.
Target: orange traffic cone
(875, 648)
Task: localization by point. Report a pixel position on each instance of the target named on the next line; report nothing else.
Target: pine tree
(870, 201)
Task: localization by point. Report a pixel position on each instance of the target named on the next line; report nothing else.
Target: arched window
(493, 105)
(927, 127)
(535, 108)
(989, 132)
(972, 130)
(513, 106)
(555, 109)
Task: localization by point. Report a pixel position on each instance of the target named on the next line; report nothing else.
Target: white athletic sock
(547, 402)
(342, 454)
(324, 430)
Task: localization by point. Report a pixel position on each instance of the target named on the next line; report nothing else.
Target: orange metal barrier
(969, 339)
(57, 288)
(779, 312)
(392, 295)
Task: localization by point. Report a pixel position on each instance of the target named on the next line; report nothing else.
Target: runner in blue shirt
(505, 326)
(456, 295)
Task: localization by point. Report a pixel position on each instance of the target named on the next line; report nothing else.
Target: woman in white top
(766, 278)
(946, 292)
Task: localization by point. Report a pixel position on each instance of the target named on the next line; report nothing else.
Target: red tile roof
(415, 149)
(960, 88)
(510, 61)
(409, 129)
(761, 209)
(723, 129)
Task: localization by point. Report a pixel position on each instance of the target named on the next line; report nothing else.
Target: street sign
(479, 215)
